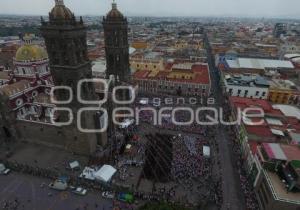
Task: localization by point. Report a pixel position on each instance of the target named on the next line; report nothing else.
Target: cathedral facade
(32, 116)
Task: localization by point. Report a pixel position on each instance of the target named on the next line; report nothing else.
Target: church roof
(12, 89)
(30, 52)
(114, 13)
(60, 11)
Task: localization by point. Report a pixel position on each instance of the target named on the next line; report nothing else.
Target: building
(258, 66)
(155, 63)
(65, 39)
(280, 124)
(116, 44)
(248, 86)
(277, 185)
(189, 79)
(24, 91)
(283, 92)
(31, 60)
(140, 44)
(280, 29)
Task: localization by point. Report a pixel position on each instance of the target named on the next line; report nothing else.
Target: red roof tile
(262, 131)
(292, 152)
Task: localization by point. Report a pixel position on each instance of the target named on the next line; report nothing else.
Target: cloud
(253, 8)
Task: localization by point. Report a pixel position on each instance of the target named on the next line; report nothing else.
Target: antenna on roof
(114, 4)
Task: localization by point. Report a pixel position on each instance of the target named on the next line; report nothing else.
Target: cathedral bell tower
(116, 44)
(65, 39)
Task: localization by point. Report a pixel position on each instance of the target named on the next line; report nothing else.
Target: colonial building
(189, 79)
(248, 86)
(284, 92)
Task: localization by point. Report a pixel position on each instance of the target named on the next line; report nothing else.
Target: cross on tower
(59, 2)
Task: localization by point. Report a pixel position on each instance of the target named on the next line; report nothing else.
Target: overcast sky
(253, 8)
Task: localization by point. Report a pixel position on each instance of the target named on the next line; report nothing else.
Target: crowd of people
(188, 160)
(250, 198)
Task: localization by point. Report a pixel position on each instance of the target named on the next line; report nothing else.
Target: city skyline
(196, 8)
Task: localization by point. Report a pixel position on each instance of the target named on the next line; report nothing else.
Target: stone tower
(65, 39)
(116, 44)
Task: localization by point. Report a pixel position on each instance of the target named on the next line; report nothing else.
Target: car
(80, 191)
(4, 170)
(58, 185)
(126, 198)
(108, 195)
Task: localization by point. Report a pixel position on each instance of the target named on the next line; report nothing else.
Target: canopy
(126, 123)
(206, 151)
(74, 165)
(274, 151)
(128, 146)
(143, 101)
(88, 173)
(105, 173)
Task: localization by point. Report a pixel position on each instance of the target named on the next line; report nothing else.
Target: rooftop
(14, 88)
(279, 189)
(282, 84)
(4, 75)
(288, 110)
(246, 80)
(254, 63)
(199, 74)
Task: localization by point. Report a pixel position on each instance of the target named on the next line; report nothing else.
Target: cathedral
(63, 63)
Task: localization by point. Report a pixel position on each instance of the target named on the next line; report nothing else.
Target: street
(26, 193)
(232, 194)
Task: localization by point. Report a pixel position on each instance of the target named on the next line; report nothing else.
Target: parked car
(3, 169)
(125, 197)
(80, 191)
(58, 185)
(108, 195)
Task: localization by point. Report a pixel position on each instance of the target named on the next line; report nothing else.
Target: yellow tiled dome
(30, 52)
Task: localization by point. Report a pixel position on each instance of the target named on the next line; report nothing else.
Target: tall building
(65, 39)
(116, 44)
(280, 28)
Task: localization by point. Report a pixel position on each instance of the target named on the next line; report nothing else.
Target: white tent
(143, 102)
(105, 173)
(126, 123)
(206, 151)
(74, 165)
(88, 173)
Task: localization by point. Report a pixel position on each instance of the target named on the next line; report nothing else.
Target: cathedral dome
(60, 11)
(30, 52)
(114, 13)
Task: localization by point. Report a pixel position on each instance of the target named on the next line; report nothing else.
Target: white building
(247, 86)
